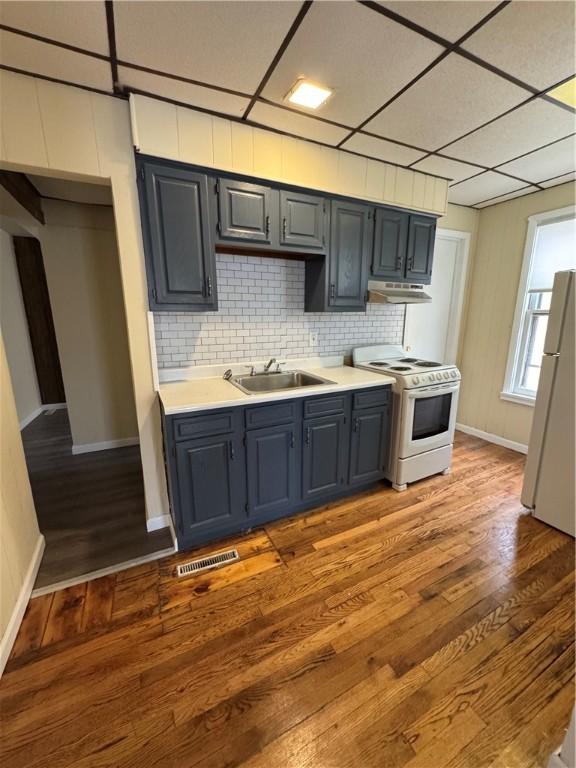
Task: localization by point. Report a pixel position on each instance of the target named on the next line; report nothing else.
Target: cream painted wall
(83, 274)
(490, 313)
(20, 539)
(15, 332)
(59, 131)
(180, 133)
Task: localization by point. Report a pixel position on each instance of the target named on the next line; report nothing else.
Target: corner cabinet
(180, 260)
(232, 469)
(403, 247)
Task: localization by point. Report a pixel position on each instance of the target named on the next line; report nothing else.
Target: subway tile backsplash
(261, 314)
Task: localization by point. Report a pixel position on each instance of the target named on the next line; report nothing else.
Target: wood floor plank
(429, 628)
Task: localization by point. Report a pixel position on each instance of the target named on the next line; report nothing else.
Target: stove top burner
(378, 363)
(408, 360)
(401, 368)
(428, 364)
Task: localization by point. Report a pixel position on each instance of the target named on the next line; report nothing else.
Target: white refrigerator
(550, 476)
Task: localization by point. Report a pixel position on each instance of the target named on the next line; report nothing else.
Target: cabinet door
(390, 242)
(177, 235)
(368, 445)
(245, 212)
(211, 485)
(271, 458)
(421, 233)
(302, 220)
(325, 456)
(350, 246)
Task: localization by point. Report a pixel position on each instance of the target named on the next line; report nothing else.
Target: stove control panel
(426, 379)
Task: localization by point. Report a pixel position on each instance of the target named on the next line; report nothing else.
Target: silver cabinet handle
(332, 290)
(291, 439)
(209, 285)
(267, 225)
(356, 425)
(232, 451)
(284, 228)
(307, 438)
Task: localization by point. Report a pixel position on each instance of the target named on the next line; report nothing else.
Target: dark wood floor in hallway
(433, 628)
(90, 506)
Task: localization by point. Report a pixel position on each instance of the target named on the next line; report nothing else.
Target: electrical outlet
(313, 339)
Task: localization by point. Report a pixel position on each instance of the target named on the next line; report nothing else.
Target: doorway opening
(63, 323)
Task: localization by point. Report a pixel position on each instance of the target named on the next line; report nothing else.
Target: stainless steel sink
(273, 382)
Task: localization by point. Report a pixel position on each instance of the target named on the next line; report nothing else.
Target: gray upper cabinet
(246, 212)
(421, 233)
(177, 238)
(390, 242)
(303, 221)
(350, 248)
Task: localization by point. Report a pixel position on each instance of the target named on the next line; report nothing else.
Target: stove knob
(415, 380)
(438, 377)
(454, 374)
(446, 375)
(430, 377)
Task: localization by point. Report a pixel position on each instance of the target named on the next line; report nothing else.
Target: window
(550, 248)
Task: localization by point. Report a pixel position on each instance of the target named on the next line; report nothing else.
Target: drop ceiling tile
(76, 23)
(226, 43)
(534, 41)
(449, 169)
(294, 122)
(450, 20)
(554, 160)
(44, 59)
(559, 180)
(454, 97)
(482, 187)
(536, 123)
(194, 95)
(363, 56)
(382, 150)
(510, 196)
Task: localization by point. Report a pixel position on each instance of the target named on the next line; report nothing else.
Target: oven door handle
(415, 394)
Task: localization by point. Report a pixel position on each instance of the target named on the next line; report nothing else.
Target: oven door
(428, 418)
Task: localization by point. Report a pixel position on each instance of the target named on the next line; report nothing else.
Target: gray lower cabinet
(273, 469)
(246, 212)
(210, 487)
(324, 456)
(177, 238)
(368, 445)
(232, 469)
(303, 221)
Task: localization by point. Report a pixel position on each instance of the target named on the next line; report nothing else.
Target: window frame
(518, 338)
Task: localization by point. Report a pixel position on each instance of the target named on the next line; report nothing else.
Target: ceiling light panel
(566, 93)
(554, 160)
(449, 20)
(76, 23)
(363, 56)
(482, 187)
(306, 94)
(44, 59)
(453, 98)
(297, 123)
(382, 150)
(449, 169)
(186, 93)
(523, 130)
(230, 44)
(534, 41)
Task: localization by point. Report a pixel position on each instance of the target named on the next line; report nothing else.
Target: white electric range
(425, 399)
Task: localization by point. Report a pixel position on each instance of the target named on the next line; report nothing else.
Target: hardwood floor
(432, 628)
(90, 506)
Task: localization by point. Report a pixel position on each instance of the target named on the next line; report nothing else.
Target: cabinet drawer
(268, 415)
(322, 406)
(212, 423)
(371, 398)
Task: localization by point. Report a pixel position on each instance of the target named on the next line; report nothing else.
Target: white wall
(83, 275)
(490, 313)
(16, 336)
(21, 543)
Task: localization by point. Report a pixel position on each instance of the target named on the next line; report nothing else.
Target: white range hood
(396, 293)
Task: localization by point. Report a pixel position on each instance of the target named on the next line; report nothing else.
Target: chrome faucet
(269, 364)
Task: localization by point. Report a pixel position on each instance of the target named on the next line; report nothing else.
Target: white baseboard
(496, 439)
(105, 446)
(43, 408)
(9, 636)
(155, 523)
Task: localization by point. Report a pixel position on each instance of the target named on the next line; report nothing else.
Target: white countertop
(198, 394)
